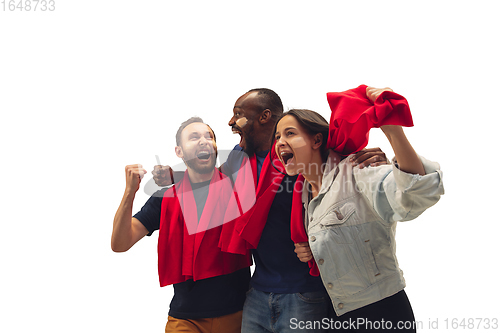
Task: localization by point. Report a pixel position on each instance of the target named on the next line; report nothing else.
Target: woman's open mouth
(286, 157)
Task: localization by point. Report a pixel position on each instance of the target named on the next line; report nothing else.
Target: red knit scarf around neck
(188, 248)
(244, 232)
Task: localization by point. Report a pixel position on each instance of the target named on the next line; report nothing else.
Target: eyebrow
(289, 127)
(198, 133)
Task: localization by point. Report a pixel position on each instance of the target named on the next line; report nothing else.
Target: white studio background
(96, 85)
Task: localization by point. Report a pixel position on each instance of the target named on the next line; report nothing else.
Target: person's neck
(263, 141)
(196, 177)
(314, 174)
(316, 169)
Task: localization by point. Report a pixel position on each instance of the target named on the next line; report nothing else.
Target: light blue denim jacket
(351, 227)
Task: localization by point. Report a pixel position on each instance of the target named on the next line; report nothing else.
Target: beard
(201, 169)
(249, 148)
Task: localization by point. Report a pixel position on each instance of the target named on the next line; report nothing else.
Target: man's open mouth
(236, 130)
(203, 155)
(286, 157)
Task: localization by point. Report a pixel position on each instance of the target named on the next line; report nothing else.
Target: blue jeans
(271, 312)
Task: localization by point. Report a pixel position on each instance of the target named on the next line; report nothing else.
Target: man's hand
(303, 251)
(372, 93)
(127, 230)
(134, 174)
(369, 157)
(162, 175)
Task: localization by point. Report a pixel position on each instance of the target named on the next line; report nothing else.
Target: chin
(204, 169)
(291, 171)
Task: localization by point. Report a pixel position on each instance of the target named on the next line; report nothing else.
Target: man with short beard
(209, 285)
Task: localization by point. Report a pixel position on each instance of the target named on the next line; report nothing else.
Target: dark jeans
(271, 312)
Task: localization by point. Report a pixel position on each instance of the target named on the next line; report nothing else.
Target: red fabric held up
(353, 115)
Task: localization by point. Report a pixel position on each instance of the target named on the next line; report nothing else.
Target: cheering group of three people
(301, 196)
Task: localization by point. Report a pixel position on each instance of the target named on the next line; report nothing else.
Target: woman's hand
(372, 93)
(303, 251)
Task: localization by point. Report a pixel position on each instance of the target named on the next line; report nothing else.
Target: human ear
(317, 140)
(178, 152)
(265, 116)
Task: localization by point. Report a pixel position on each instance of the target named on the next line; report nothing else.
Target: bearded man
(209, 285)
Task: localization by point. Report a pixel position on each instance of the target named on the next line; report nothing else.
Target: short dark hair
(268, 99)
(185, 124)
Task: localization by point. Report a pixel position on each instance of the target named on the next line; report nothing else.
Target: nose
(203, 141)
(280, 142)
(231, 121)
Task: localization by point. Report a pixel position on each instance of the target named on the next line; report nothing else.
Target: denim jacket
(351, 227)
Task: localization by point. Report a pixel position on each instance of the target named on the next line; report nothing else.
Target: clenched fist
(134, 174)
(303, 251)
(162, 175)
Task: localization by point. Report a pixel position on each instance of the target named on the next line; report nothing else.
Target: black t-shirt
(206, 298)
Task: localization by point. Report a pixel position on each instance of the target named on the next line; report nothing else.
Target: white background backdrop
(96, 85)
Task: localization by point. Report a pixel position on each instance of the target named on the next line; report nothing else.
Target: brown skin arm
(303, 251)
(369, 157)
(163, 177)
(163, 174)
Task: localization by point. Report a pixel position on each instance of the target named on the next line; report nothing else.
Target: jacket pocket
(371, 257)
(338, 215)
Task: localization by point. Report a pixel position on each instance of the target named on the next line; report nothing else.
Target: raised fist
(133, 176)
(162, 175)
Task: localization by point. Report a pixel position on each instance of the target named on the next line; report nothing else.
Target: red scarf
(188, 249)
(353, 115)
(244, 232)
